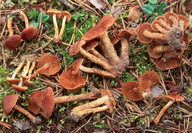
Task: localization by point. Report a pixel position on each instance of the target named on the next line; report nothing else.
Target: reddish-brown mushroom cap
(167, 16)
(174, 97)
(90, 45)
(148, 80)
(51, 12)
(186, 40)
(185, 19)
(141, 29)
(108, 92)
(53, 63)
(12, 81)
(67, 14)
(12, 42)
(32, 103)
(168, 64)
(9, 102)
(72, 82)
(28, 33)
(131, 91)
(76, 66)
(153, 53)
(19, 88)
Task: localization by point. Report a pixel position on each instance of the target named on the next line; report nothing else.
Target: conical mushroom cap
(53, 63)
(72, 82)
(28, 33)
(9, 102)
(131, 91)
(12, 42)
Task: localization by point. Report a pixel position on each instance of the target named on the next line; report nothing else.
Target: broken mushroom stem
(45, 66)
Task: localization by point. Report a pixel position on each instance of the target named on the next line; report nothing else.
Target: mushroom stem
(100, 62)
(25, 70)
(77, 115)
(62, 28)
(5, 125)
(25, 19)
(9, 26)
(80, 97)
(154, 35)
(97, 71)
(161, 29)
(97, 54)
(114, 59)
(161, 49)
(124, 56)
(164, 24)
(39, 70)
(156, 121)
(17, 69)
(55, 27)
(29, 115)
(174, 20)
(28, 82)
(92, 104)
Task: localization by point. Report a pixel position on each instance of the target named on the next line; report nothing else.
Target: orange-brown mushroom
(9, 103)
(185, 20)
(27, 81)
(186, 40)
(131, 91)
(47, 64)
(169, 99)
(171, 18)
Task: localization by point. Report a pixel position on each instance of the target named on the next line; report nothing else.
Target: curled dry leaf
(99, 4)
(134, 14)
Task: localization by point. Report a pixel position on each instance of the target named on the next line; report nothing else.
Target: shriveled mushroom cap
(102, 26)
(12, 42)
(174, 97)
(167, 16)
(52, 61)
(148, 79)
(141, 29)
(51, 12)
(76, 65)
(46, 103)
(185, 19)
(186, 40)
(152, 46)
(72, 82)
(65, 13)
(131, 91)
(9, 102)
(19, 88)
(29, 33)
(32, 103)
(168, 64)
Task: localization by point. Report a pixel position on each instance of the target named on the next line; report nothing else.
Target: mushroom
(30, 31)
(27, 81)
(185, 20)
(13, 40)
(56, 14)
(92, 107)
(12, 79)
(9, 103)
(47, 64)
(131, 91)
(43, 101)
(147, 81)
(20, 86)
(169, 99)
(171, 18)
(66, 17)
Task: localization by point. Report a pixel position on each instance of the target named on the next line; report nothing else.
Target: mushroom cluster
(166, 38)
(109, 59)
(136, 91)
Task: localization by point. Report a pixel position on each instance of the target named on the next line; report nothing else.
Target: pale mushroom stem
(17, 70)
(97, 71)
(124, 56)
(29, 115)
(39, 70)
(164, 24)
(25, 70)
(161, 49)
(100, 62)
(25, 19)
(5, 124)
(9, 26)
(174, 20)
(80, 97)
(77, 115)
(97, 54)
(92, 104)
(161, 29)
(114, 59)
(55, 27)
(62, 28)
(154, 35)
(156, 121)
(30, 70)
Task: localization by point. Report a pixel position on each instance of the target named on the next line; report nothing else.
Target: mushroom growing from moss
(169, 99)
(47, 64)
(44, 101)
(107, 100)
(12, 42)
(9, 103)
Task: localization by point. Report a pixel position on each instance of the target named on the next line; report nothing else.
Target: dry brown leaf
(134, 14)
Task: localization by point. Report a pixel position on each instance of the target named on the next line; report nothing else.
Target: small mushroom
(47, 64)
(66, 17)
(30, 31)
(56, 14)
(9, 103)
(92, 107)
(13, 40)
(43, 101)
(12, 79)
(169, 99)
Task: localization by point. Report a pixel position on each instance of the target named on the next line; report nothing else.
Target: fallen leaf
(99, 4)
(22, 125)
(156, 91)
(134, 14)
